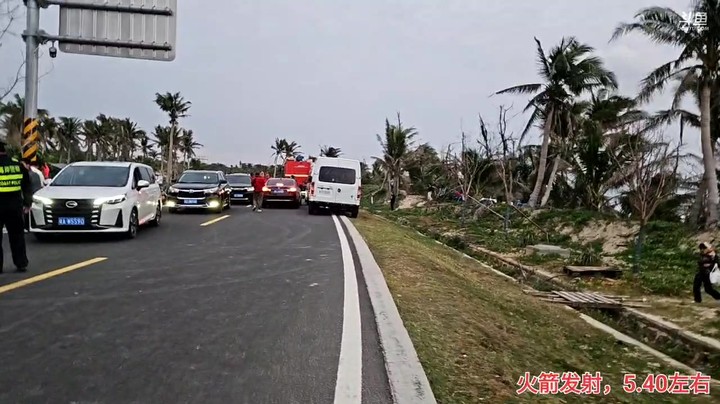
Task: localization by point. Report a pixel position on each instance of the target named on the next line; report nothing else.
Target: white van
(97, 197)
(335, 185)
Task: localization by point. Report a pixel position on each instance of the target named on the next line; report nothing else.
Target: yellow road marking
(50, 274)
(209, 222)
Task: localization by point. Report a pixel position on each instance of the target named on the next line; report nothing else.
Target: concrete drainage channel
(681, 349)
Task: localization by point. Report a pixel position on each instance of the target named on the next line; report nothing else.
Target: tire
(297, 205)
(133, 225)
(158, 215)
(311, 208)
(354, 211)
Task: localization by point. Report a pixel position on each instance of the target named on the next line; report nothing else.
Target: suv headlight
(42, 200)
(111, 200)
(172, 190)
(250, 189)
(212, 190)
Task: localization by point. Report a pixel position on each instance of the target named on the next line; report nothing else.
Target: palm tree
(98, 135)
(68, 136)
(176, 107)
(188, 145)
(329, 151)
(12, 119)
(145, 146)
(162, 140)
(396, 146)
(568, 70)
(599, 154)
(291, 149)
(129, 136)
(699, 59)
(47, 128)
(278, 149)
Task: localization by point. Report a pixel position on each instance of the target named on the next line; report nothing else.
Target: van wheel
(133, 225)
(158, 215)
(311, 208)
(354, 212)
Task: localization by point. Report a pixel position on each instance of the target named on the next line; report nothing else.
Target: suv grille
(191, 194)
(84, 209)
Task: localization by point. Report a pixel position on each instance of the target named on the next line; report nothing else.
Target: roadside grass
(476, 333)
(666, 264)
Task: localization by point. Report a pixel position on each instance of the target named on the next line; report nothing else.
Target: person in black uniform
(708, 259)
(15, 201)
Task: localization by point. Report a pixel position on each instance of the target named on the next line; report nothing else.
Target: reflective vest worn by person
(11, 177)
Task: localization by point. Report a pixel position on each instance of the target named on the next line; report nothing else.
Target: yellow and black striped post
(30, 139)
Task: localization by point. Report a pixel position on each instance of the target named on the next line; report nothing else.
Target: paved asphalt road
(248, 309)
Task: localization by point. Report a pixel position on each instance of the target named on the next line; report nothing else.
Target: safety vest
(11, 177)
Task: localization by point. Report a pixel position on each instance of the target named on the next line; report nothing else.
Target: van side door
(154, 191)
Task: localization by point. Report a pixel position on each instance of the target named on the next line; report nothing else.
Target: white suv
(97, 197)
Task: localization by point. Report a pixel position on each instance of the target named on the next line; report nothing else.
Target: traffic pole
(30, 135)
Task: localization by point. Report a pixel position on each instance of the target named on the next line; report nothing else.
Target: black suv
(199, 189)
(241, 188)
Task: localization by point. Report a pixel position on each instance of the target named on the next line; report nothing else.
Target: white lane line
(348, 389)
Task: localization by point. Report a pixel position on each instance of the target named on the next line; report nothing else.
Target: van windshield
(337, 175)
(92, 176)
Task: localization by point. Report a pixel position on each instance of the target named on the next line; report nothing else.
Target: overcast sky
(328, 72)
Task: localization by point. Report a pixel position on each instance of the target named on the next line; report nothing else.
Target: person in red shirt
(258, 182)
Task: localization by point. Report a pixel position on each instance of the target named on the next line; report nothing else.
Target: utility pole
(171, 150)
(31, 35)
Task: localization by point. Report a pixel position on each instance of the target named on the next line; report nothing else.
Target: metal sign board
(89, 27)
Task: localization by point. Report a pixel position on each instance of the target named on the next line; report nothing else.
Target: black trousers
(13, 219)
(702, 278)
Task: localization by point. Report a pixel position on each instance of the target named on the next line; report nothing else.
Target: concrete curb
(408, 382)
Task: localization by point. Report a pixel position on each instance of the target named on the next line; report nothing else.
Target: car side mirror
(143, 184)
(223, 182)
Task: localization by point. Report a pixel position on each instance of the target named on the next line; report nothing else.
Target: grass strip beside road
(476, 333)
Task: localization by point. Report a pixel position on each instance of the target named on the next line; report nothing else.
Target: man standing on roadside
(37, 178)
(258, 182)
(37, 181)
(15, 201)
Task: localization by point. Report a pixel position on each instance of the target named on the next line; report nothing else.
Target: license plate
(324, 191)
(191, 201)
(278, 191)
(238, 195)
(71, 221)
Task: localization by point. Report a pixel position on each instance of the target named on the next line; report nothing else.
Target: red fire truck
(300, 170)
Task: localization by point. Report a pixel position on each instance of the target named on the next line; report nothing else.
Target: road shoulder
(406, 377)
